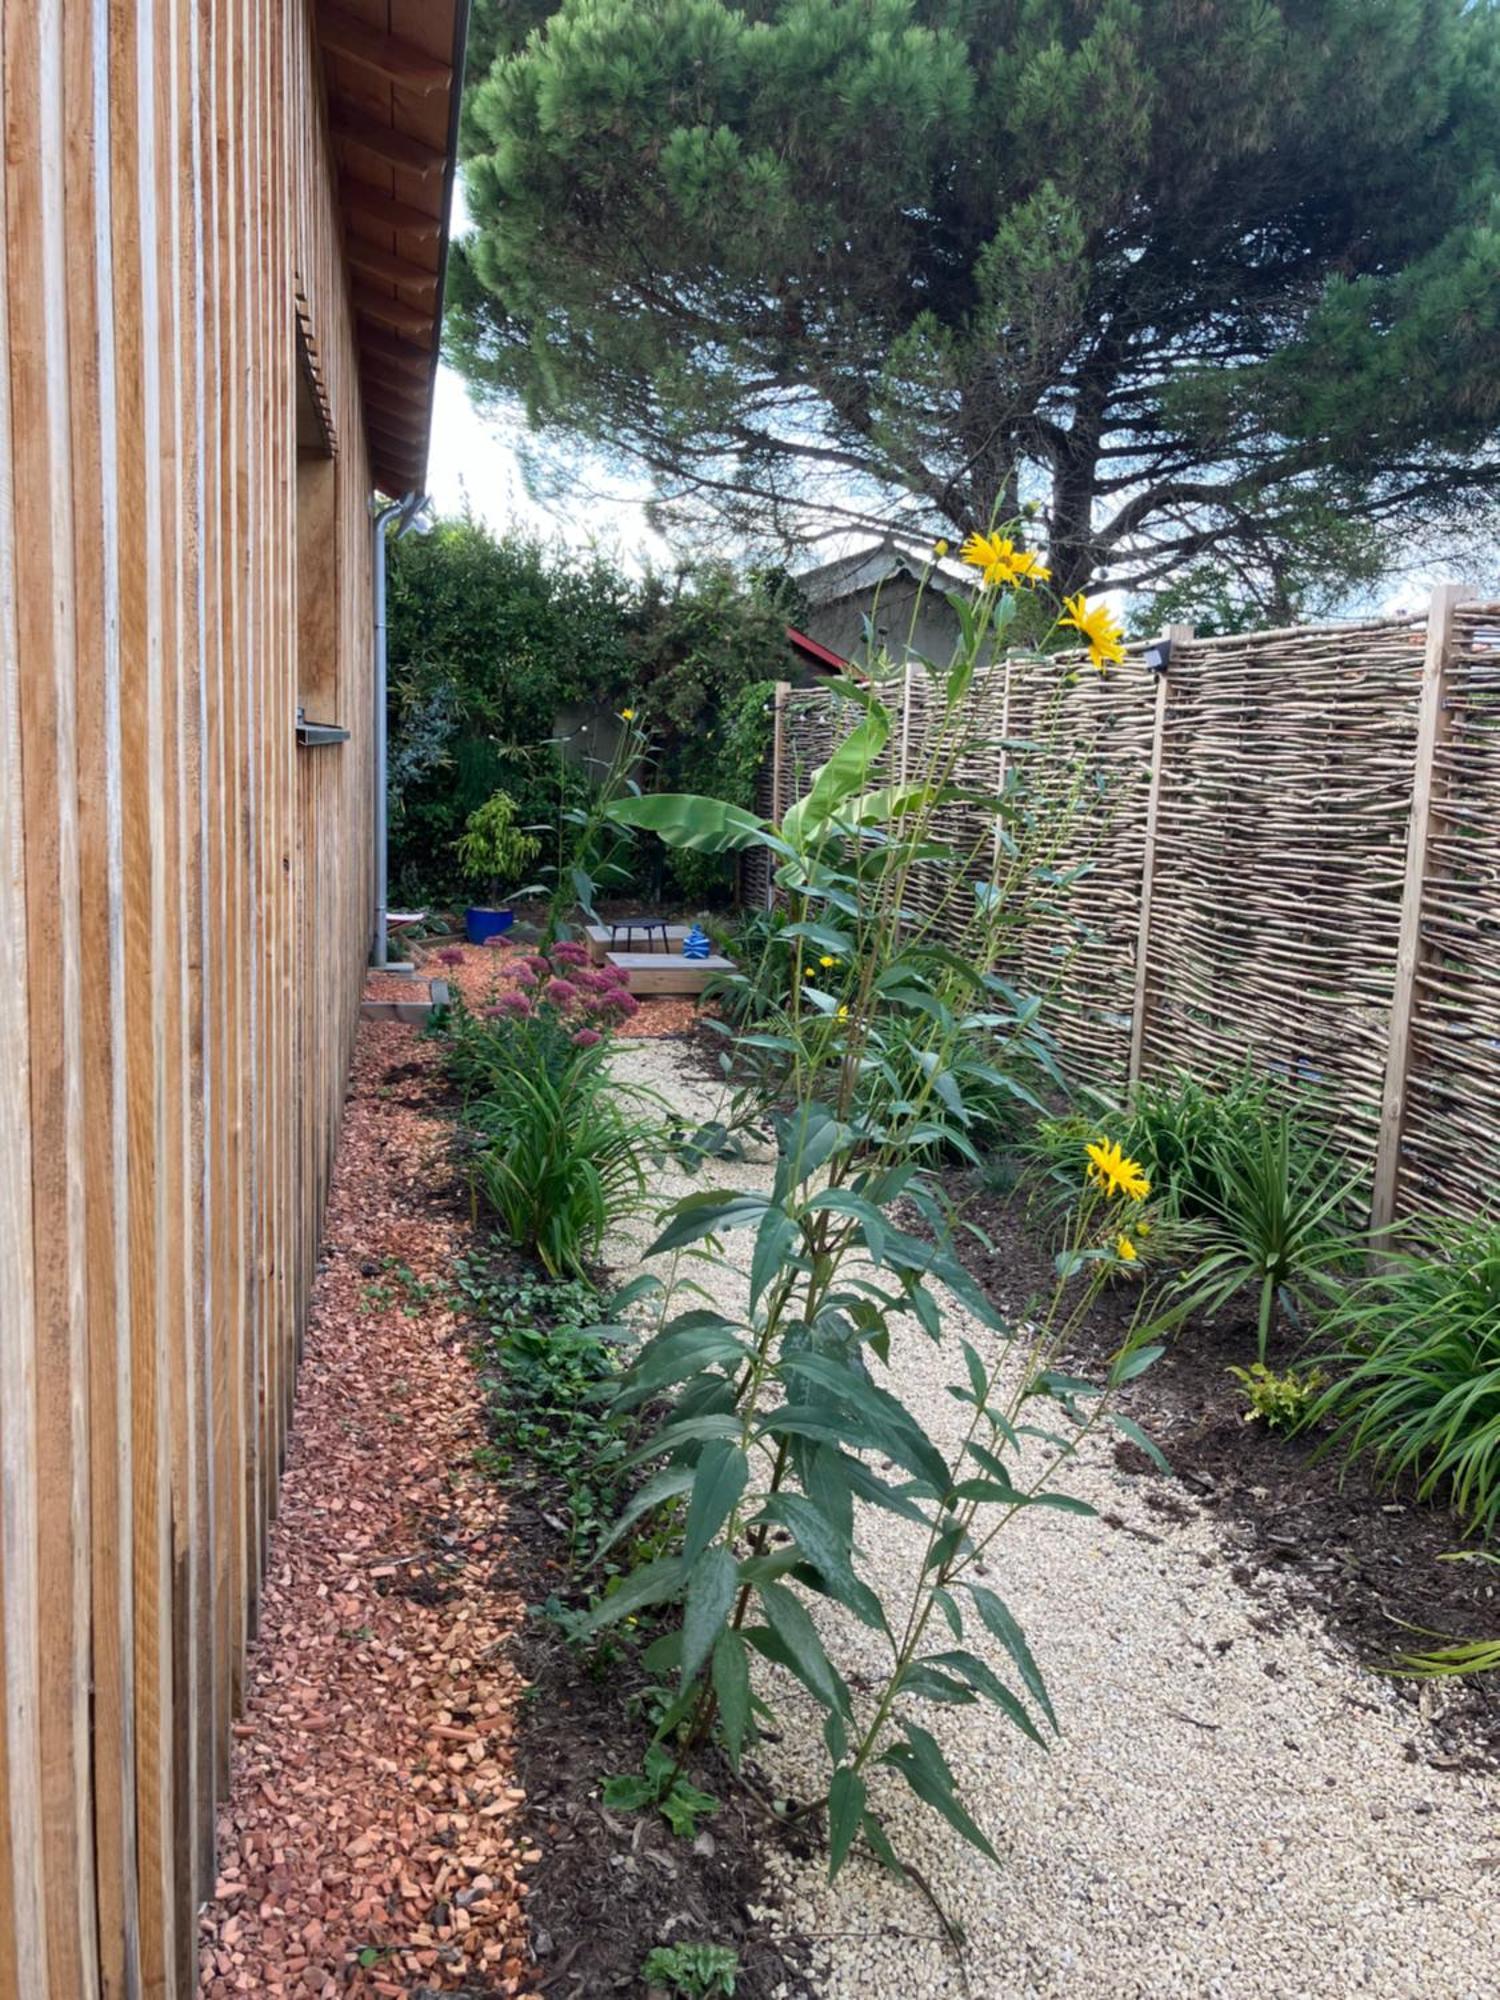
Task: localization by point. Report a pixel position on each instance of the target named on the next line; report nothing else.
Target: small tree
(492, 850)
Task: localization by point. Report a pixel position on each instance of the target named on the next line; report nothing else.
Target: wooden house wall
(184, 915)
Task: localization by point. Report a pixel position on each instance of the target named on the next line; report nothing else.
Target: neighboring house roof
(868, 568)
(819, 656)
(393, 104)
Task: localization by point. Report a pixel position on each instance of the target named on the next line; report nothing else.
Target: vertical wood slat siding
(184, 918)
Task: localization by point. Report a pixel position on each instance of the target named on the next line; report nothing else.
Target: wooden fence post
(1174, 636)
(778, 776)
(1432, 727)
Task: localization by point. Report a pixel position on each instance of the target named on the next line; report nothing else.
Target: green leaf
(718, 1481)
(687, 820)
(1138, 1437)
(707, 1213)
(890, 1425)
(731, 1680)
(791, 1624)
(1133, 1362)
(667, 1485)
(820, 1541)
(775, 1240)
(689, 1430)
(710, 1596)
(1000, 1623)
(840, 778)
(880, 1845)
(651, 1585)
(846, 1807)
(925, 1769)
(628, 1792)
(984, 1680)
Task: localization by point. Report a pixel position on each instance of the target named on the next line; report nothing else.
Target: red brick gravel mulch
(370, 1845)
(480, 973)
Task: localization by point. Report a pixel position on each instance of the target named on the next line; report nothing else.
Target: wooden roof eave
(393, 110)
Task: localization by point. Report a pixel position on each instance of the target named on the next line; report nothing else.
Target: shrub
(1280, 1402)
(1415, 1355)
(492, 850)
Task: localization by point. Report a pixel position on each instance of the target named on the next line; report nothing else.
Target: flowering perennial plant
(781, 1383)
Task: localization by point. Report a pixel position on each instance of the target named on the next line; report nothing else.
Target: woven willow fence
(1285, 848)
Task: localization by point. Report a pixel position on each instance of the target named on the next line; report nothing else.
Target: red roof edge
(824, 655)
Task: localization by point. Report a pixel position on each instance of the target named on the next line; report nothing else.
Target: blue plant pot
(481, 925)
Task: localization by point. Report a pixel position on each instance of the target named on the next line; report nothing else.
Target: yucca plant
(1277, 1224)
(1415, 1353)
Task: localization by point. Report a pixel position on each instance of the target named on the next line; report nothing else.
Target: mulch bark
(374, 1840)
(1304, 1530)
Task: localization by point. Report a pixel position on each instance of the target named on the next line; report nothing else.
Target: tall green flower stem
(870, 1075)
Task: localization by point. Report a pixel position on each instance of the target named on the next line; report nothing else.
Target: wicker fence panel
(1452, 1112)
(1285, 795)
(1290, 763)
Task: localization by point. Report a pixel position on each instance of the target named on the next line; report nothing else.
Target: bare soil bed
(1308, 1530)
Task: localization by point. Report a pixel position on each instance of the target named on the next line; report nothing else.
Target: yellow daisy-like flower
(1110, 1170)
(940, 548)
(627, 715)
(1099, 626)
(825, 960)
(1029, 568)
(993, 556)
(1124, 1249)
(842, 1014)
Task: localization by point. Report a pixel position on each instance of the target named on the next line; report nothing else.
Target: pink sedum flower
(570, 952)
(523, 975)
(538, 964)
(515, 1004)
(450, 957)
(587, 1038)
(560, 992)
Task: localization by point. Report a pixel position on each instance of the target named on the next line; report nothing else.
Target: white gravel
(1230, 1810)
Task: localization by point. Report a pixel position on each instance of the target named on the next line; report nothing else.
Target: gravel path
(1232, 1810)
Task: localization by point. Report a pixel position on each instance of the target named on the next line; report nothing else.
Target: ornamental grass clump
(1415, 1357)
(780, 1409)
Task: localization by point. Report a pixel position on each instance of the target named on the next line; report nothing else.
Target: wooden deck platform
(666, 971)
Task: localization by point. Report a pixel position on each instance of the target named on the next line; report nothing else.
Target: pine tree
(1198, 279)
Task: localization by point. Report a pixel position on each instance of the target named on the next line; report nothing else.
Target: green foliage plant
(543, 1371)
(589, 842)
(557, 1145)
(1279, 1225)
(693, 1971)
(1414, 1352)
(1280, 1402)
(492, 849)
(773, 1412)
(660, 1783)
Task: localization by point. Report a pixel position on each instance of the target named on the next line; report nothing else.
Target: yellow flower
(1099, 626)
(1125, 1249)
(627, 715)
(993, 556)
(940, 548)
(1110, 1170)
(1143, 1228)
(842, 1014)
(826, 960)
(1029, 568)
